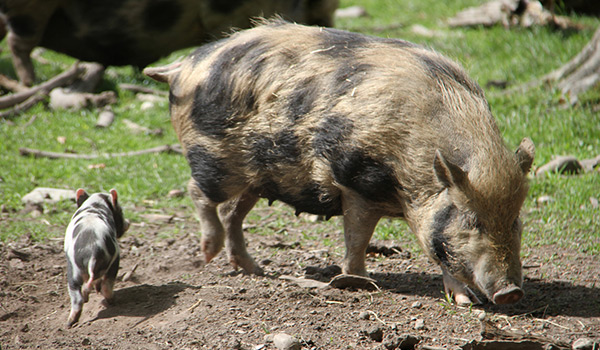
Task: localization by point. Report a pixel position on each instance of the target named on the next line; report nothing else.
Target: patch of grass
(515, 56)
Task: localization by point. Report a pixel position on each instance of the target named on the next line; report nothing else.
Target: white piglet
(91, 248)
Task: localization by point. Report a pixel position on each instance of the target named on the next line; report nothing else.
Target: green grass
(516, 55)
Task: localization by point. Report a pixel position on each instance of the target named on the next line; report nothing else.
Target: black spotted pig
(91, 248)
(136, 32)
(338, 123)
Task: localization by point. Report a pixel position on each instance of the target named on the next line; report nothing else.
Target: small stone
(364, 315)
(416, 305)
(480, 314)
(351, 12)
(583, 344)
(176, 193)
(284, 341)
(594, 202)
(544, 200)
(147, 105)
(86, 342)
(375, 333)
(419, 324)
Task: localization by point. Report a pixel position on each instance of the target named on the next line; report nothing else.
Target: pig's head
(472, 226)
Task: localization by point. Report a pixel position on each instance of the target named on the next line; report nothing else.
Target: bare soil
(174, 300)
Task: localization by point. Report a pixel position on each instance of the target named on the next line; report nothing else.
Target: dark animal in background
(136, 32)
(338, 123)
(91, 248)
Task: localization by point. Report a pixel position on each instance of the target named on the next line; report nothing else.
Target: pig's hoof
(73, 318)
(107, 302)
(210, 250)
(248, 265)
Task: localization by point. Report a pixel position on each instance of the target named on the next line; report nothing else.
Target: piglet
(91, 248)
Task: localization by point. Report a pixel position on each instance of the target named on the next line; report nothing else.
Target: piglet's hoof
(353, 281)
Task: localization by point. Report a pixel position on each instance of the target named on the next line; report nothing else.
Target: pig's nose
(508, 295)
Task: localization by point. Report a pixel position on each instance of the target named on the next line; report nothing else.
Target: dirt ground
(174, 301)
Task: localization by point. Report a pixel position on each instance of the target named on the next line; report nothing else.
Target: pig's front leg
(359, 223)
(232, 215)
(459, 291)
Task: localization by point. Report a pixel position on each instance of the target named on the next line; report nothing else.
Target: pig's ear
(163, 74)
(80, 196)
(113, 195)
(525, 154)
(448, 173)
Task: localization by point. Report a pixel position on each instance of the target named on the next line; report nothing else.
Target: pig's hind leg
(75, 283)
(213, 234)
(108, 283)
(232, 215)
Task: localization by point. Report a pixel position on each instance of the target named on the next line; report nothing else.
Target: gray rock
(416, 305)
(284, 341)
(560, 165)
(351, 12)
(48, 195)
(583, 344)
(419, 324)
(404, 342)
(375, 333)
(364, 315)
(590, 164)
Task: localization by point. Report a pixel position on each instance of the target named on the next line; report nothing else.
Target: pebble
(416, 305)
(544, 199)
(364, 315)
(480, 314)
(375, 333)
(419, 324)
(351, 12)
(284, 341)
(583, 344)
(175, 193)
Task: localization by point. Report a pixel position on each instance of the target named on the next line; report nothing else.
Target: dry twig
(143, 89)
(62, 79)
(55, 155)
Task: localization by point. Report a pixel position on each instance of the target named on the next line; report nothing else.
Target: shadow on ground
(144, 300)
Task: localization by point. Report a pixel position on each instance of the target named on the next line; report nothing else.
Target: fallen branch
(142, 89)
(12, 85)
(54, 155)
(22, 107)
(62, 79)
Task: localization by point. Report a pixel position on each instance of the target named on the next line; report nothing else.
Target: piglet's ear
(448, 173)
(113, 195)
(80, 197)
(525, 154)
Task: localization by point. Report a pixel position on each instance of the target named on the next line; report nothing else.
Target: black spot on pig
(22, 25)
(110, 245)
(203, 51)
(84, 246)
(214, 106)
(303, 99)
(280, 149)
(161, 15)
(340, 44)
(208, 172)
(330, 135)
(225, 7)
(347, 77)
(439, 243)
(440, 68)
(369, 177)
(310, 200)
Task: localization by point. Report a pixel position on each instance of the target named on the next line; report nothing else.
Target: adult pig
(338, 123)
(136, 32)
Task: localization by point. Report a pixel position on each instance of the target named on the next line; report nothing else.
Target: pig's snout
(508, 295)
